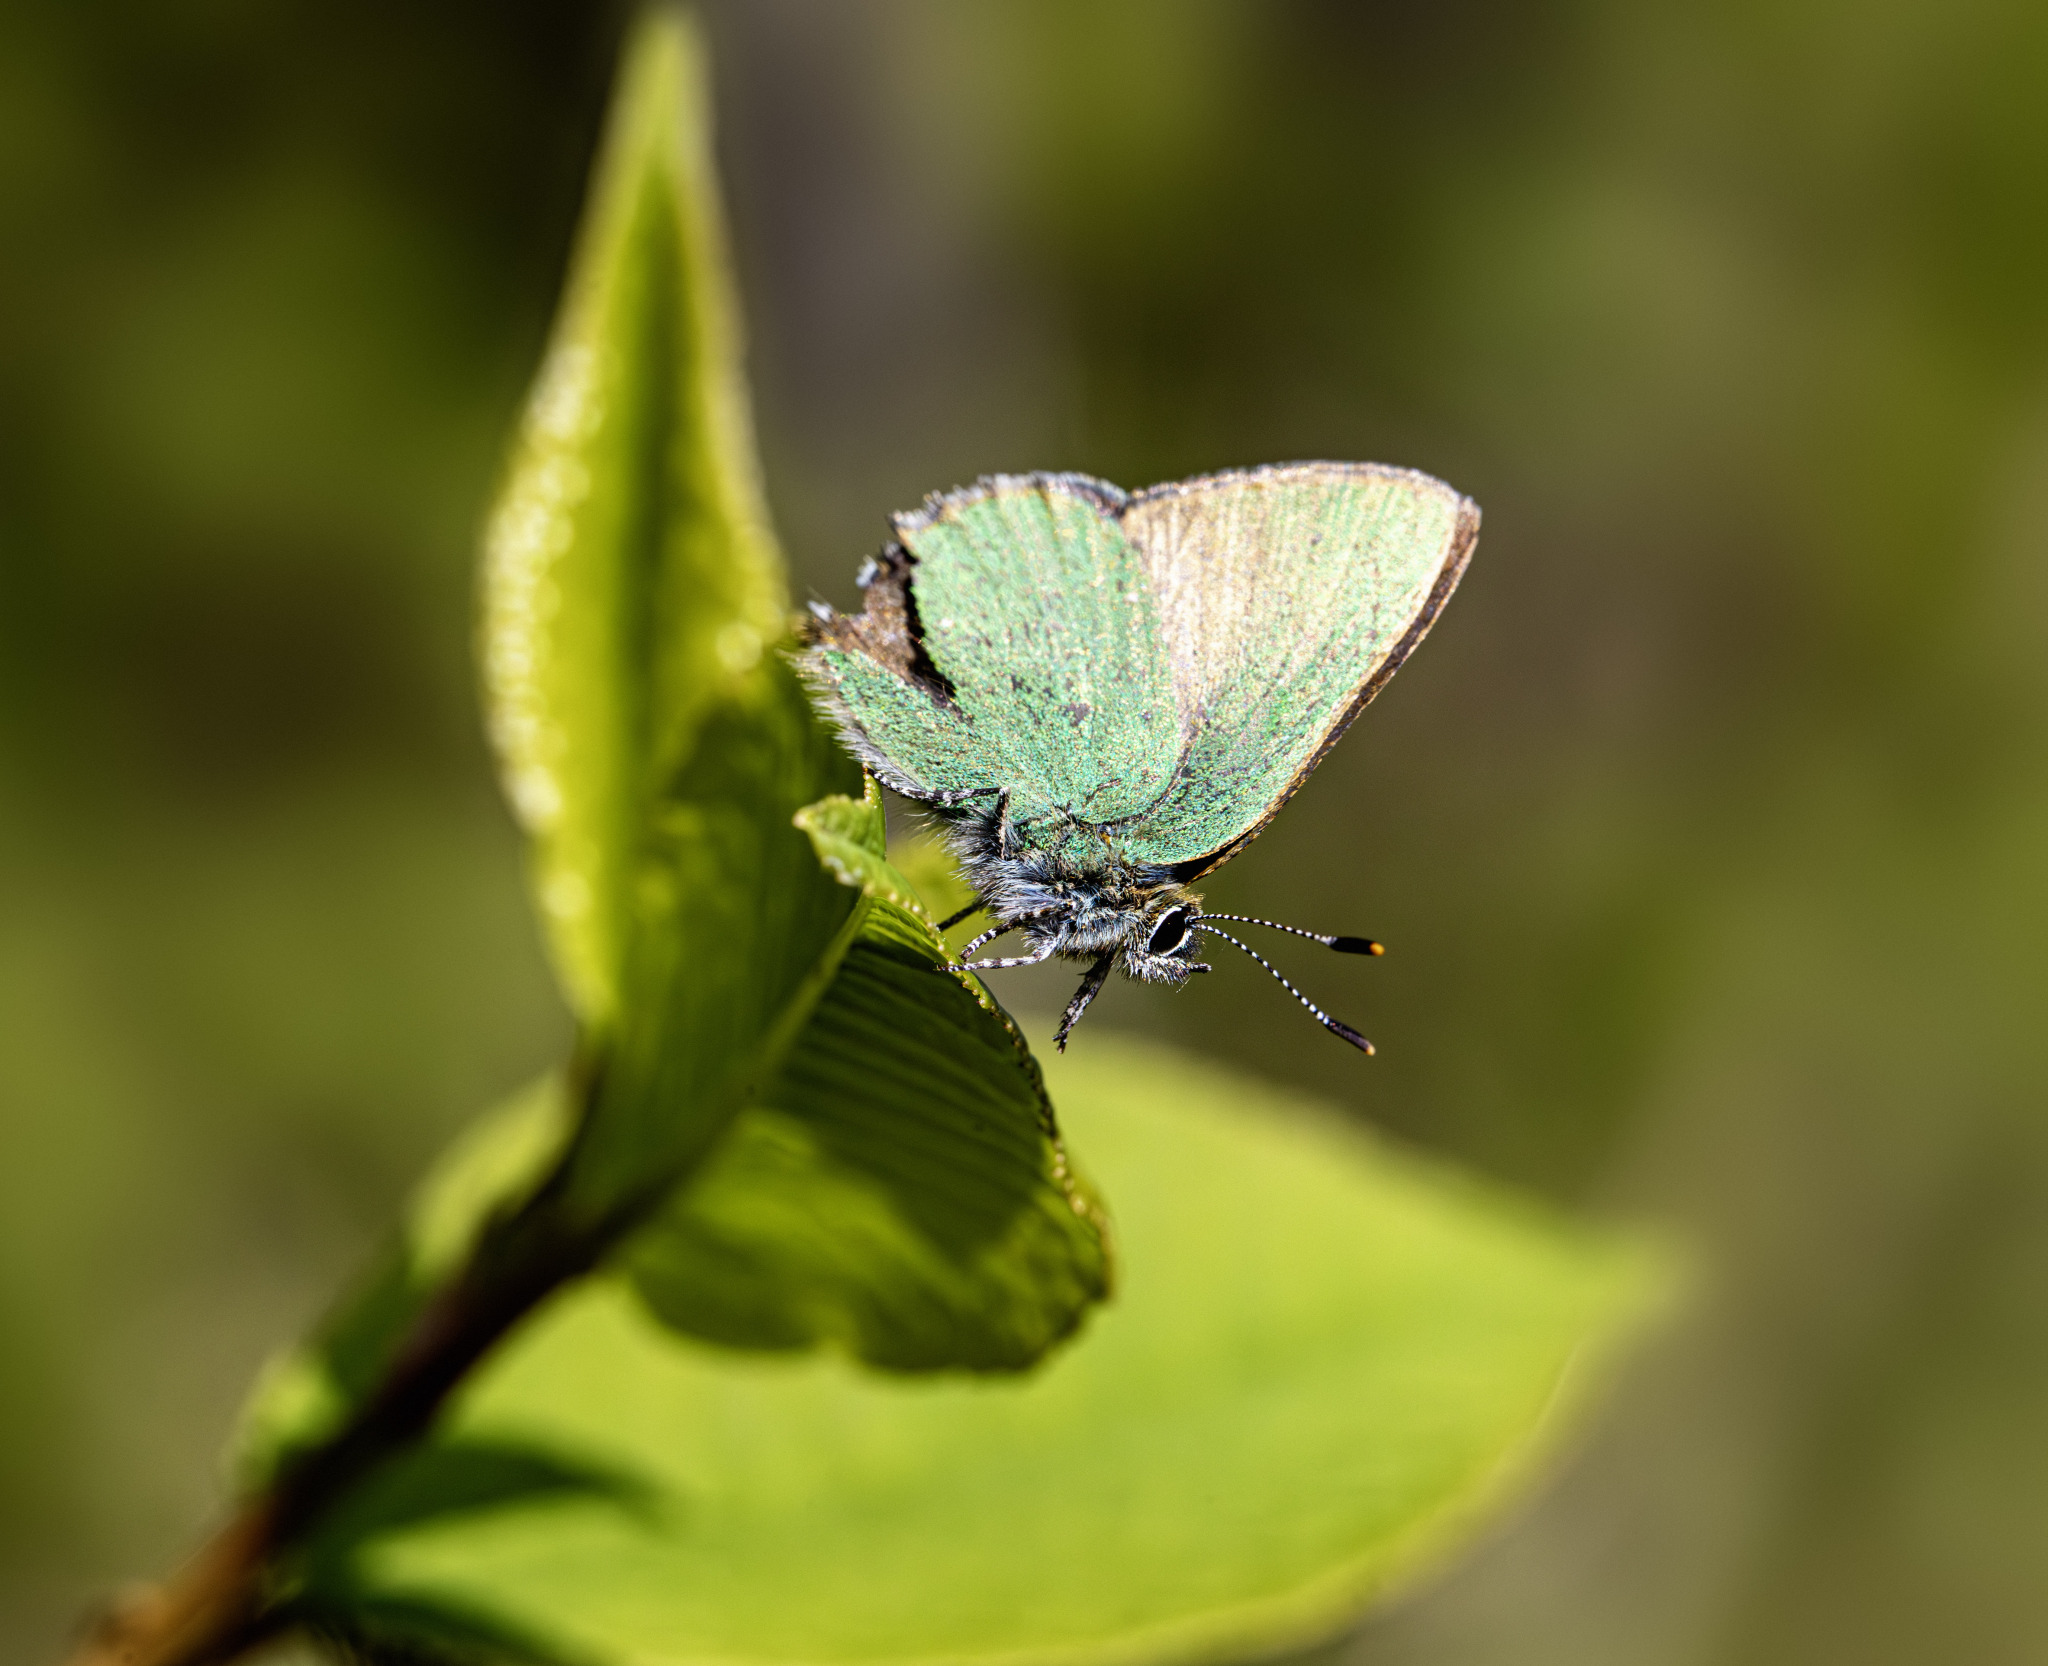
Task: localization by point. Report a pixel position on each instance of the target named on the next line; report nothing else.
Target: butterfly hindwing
(1013, 643)
(1285, 596)
(870, 673)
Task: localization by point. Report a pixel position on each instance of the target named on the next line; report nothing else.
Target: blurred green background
(1709, 832)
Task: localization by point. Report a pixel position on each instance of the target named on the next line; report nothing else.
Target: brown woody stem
(228, 1598)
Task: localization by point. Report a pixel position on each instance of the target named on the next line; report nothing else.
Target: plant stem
(211, 1609)
(227, 1598)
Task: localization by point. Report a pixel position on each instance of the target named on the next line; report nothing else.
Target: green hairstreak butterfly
(1104, 695)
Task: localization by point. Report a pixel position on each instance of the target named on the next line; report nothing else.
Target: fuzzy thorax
(1079, 910)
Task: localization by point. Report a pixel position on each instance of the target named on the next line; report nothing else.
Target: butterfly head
(1128, 919)
(1140, 920)
(1160, 944)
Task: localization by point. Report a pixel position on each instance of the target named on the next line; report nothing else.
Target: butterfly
(1103, 696)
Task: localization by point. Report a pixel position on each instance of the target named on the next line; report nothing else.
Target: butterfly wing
(1286, 596)
(1011, 640)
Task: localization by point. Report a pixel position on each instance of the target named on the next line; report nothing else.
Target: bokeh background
(1709, 831)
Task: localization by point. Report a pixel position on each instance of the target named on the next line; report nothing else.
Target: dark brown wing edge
(1464, 538)
(888, 630)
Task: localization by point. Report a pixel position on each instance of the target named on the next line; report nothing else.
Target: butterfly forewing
(1286, 596)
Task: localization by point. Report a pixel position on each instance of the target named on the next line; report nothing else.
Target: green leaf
(654, 742)
(849, 836)
(630, 577)
(306, 1392)
(1329, 1365)
(901, 1191)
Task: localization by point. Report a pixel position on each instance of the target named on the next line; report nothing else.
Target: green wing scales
(1155, 673)
(1011, 643)
(1287, 595)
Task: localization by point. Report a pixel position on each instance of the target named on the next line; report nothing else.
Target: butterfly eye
(1170, 933)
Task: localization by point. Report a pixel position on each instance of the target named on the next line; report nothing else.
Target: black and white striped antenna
(1341, 1030)
(1343, 945)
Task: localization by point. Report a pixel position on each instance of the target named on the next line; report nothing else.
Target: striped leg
(996, 931)
(1031, 959)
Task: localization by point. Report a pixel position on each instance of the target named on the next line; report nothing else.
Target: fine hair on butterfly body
(1103, 696)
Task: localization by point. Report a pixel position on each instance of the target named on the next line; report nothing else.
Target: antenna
(1345, 1031)
(1343, 945)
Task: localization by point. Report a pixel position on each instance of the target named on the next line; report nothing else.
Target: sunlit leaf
(654, 743)
(1328, 1364)
(901, 1191)
(630, 578)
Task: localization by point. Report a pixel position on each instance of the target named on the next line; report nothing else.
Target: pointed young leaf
(654, 741)
(630, 577)
(849, 837)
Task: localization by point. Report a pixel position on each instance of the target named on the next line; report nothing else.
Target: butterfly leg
(996, 931)
(1031, 959)
(993, 931)
(1091, 986)
(1008, 962)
